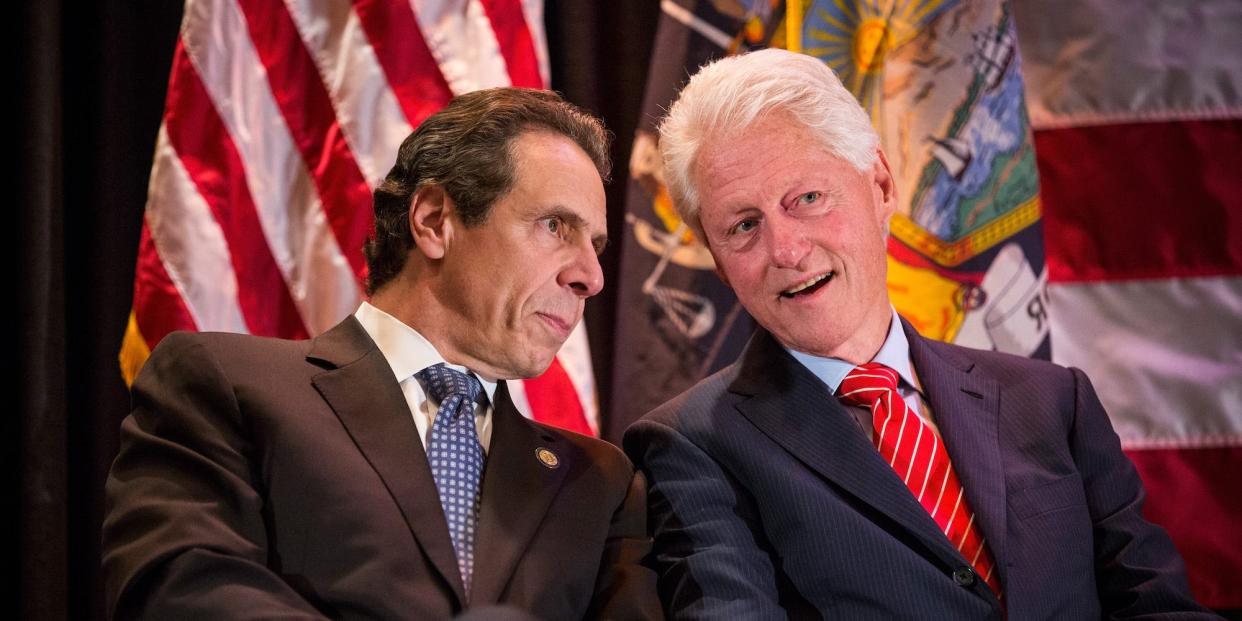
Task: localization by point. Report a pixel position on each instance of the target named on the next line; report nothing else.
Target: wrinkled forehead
(554, 174)
(763, 151)
(734, 138)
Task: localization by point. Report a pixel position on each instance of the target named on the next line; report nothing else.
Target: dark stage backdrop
(89, 82)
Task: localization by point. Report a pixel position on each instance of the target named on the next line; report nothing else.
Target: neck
(862, 346)
(862, 351)
(412, 302)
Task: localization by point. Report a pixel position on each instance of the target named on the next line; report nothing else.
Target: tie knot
(444, 383)
(867, 383)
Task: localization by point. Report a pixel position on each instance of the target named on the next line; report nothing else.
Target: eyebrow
(575, 221)
(835, 192)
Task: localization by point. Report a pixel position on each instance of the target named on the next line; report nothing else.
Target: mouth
(560, 327)
(808, 286)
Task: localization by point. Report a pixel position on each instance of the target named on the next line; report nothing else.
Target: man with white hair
(845, 466)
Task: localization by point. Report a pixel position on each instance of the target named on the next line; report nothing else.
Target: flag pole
(793, 25)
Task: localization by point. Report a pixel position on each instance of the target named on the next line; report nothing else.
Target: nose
(583, 274)
(788, 244)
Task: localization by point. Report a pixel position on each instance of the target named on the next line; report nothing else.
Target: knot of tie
(867, 383)
(445, 384)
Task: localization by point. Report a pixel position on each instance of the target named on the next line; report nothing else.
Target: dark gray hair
(467, 149)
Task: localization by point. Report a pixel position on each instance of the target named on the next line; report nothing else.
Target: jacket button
(964, 576)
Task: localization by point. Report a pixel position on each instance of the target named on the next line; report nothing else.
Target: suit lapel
(796, 410)
(517, 491)
(373, 410)
(966, 407)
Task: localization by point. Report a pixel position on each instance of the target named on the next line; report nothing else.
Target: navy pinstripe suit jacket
(767, 500)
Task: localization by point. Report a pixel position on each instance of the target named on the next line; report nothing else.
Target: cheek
(530, 288)
(752, 292)
(865, 243)
(740, 270)
(871, 270)
(877, 250)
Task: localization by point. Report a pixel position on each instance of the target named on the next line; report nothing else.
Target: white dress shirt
(408, 352)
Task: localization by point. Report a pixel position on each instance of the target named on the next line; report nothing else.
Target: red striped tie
(915, 452)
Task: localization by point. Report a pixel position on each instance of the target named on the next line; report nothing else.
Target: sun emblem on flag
(854, 38)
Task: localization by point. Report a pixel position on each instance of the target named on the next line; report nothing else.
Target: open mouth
(808, 286)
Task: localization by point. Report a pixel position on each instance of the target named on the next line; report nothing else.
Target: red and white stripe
(281, 118)
(914, 451)
(1137, 112)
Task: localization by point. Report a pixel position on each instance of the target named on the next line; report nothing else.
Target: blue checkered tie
(456, 457)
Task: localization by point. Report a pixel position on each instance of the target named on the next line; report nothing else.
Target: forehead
(552, 170)
(759, 163)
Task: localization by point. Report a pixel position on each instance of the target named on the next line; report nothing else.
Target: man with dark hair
(380, 470)
(467, 149)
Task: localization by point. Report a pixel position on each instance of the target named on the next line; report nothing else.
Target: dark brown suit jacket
(261, 478)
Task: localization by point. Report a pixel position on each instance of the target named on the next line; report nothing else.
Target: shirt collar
(407, 351)
(894, 353)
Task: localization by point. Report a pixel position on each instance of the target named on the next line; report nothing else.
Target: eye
(744, 226)
(809, 197)
(554, 224)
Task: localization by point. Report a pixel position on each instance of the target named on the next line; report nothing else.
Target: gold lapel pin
(547, 458)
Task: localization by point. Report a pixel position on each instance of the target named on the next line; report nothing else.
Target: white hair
(729, 95)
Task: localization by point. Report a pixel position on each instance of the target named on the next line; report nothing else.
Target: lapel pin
(547, 458)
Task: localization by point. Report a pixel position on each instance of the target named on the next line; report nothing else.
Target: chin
(811, 343)
(534, 367)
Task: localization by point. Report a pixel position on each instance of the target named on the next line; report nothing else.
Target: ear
(885, 188)
(430, 224)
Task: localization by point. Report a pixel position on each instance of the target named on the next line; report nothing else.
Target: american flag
(1137, 115)
(281, 117)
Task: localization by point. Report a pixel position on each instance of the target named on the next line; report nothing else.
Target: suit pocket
(1047, 497)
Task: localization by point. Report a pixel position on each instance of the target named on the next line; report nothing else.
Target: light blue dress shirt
(894, 353)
